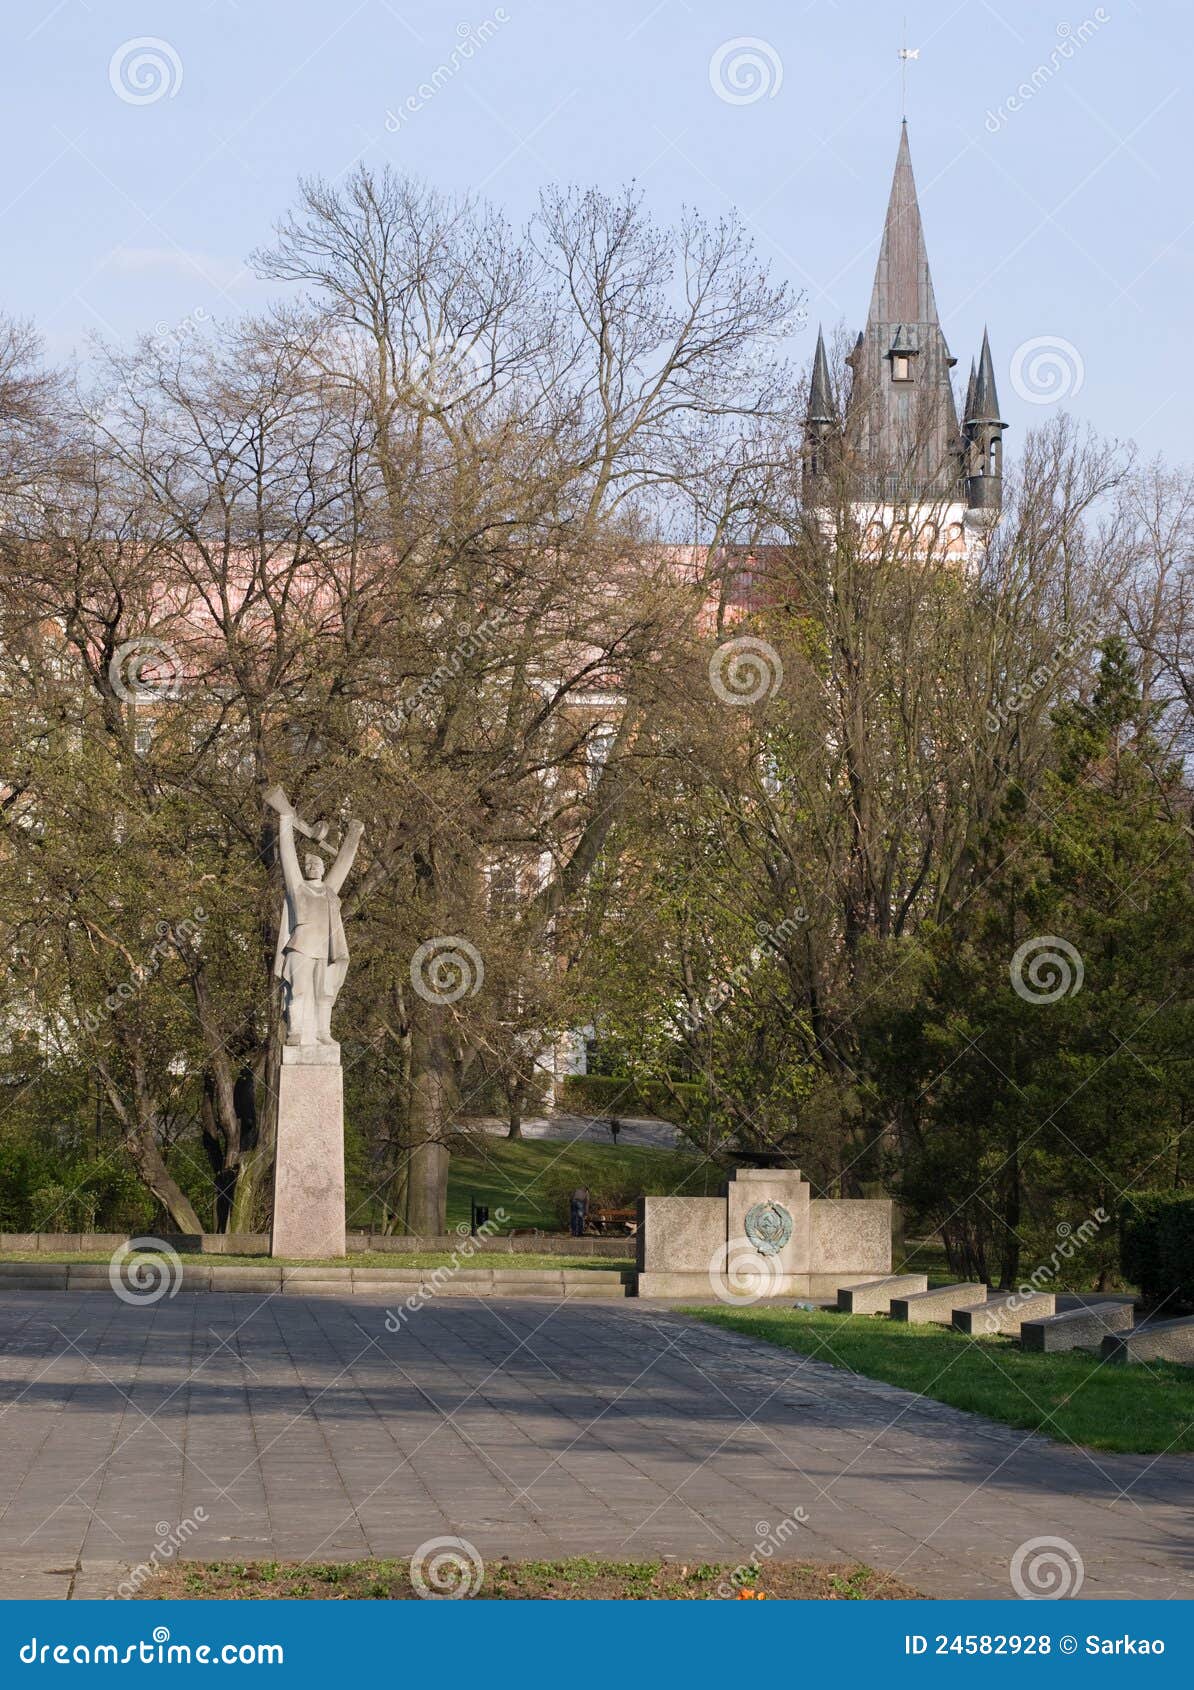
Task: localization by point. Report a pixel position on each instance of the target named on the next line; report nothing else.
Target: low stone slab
(1005, 1313)
(468, 1280)
(1163, 1340)
(874, 1296)
(1077, 1327)
(262, 1280)
(937, 1305)
(27, 1270)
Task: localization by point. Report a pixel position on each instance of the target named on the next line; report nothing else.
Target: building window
(901, 367)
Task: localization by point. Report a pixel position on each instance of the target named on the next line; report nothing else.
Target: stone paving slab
(292, 1427)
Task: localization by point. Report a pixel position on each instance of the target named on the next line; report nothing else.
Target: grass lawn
(579, 1577)
(522, 1176)
(1073, 1396)
(365, 1259)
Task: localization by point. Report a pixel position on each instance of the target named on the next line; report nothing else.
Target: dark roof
(820, 397)
(969, 411)
(903, 290)
(983, 405)
(906, 428)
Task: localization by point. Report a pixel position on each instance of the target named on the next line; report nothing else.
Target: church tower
(907, 453)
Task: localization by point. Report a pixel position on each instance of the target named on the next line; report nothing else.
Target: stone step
(1158, 1340)
(1077, 1327)
(937, 1305)
(1006, 1312)
(874, 1296)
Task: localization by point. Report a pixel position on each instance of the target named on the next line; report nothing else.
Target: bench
(604, 1221)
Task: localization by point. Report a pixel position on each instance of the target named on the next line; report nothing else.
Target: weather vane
(906, 53)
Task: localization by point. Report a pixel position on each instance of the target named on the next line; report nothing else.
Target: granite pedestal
(309, 1161)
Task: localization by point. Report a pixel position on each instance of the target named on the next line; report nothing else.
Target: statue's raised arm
(312, 953)
(292, 874)
(338, 873)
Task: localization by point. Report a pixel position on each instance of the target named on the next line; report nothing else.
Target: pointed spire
(820, 398)
(984, 406)
(902, 410)
(968, 413)
(903, 290)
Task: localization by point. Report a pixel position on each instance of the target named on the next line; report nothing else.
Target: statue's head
(313, 866)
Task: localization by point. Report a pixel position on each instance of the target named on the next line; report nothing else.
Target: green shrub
(1156, 1246)
(64, 1208)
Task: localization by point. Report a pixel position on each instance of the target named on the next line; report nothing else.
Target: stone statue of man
(312, 954)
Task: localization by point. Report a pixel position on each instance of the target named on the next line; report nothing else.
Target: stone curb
(330, 1281)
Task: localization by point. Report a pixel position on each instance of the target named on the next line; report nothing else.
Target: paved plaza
(302, 1427)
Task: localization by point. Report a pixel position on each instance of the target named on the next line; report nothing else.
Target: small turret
(982, 431)
(821, 428)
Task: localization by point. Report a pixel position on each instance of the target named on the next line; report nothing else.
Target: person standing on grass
(579, 1207)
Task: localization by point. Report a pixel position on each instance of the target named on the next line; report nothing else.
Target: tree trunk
(137, 1119)
(252, 1204)
(432, 1097)
(516, 1098)
(151, 1166)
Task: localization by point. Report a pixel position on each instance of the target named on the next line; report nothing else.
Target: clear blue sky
(1070, 219)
